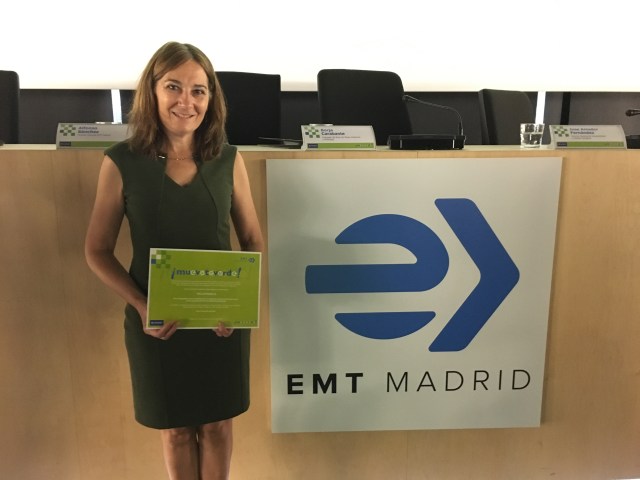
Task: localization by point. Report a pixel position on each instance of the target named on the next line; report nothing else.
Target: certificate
(201, 288)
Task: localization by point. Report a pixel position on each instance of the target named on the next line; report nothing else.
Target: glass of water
(531, 135)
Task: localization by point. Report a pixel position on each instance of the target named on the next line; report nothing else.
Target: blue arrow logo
(432, 263)
(498, 274)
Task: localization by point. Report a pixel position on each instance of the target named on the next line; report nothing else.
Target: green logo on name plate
(311, 131)
(68, 130)
(560, 131)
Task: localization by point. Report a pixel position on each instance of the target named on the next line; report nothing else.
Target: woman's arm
(102, 235)
(243, 211)
(245, 220)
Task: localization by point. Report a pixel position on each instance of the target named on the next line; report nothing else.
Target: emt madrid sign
(409, 294)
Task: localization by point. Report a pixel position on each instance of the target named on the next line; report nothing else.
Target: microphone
(633, 111)
(428, 141)
(409, 98)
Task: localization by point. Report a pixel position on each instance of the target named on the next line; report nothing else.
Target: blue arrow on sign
(498, 274)
(432, 263)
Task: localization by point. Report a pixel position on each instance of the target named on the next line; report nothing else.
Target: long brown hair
(147, 134)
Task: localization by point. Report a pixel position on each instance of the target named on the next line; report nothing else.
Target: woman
(179, 184)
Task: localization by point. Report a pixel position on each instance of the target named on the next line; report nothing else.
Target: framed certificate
(201, 288)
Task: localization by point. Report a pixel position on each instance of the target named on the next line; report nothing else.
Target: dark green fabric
(195, 377)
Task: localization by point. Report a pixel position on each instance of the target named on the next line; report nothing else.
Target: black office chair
(364, 97)
(253, 106)
(10, 110)
(44, 108)
(501, 113)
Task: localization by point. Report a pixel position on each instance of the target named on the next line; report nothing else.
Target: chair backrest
(10, 110)
(501, 113)
(253, 106)
(55, 106)
(364, 97)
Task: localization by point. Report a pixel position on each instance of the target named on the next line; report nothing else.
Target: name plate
(338, 137)
(90, 135)
(587, 136)
(201, 288)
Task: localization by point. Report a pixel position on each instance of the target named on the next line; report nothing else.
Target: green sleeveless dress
(195, 377)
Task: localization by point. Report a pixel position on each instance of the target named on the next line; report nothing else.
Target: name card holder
(587, 136)
(90, 135)
(338, 137)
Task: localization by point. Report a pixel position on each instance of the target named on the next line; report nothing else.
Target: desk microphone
(633, 111)
(409, 98)
(428, 141)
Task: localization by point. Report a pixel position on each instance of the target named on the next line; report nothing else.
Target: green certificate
(201, 288)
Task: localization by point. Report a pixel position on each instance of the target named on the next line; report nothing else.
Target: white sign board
(409, 294)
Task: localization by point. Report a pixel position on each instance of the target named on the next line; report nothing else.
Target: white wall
(455, 46)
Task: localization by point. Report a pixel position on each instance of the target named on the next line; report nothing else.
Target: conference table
(66, 403)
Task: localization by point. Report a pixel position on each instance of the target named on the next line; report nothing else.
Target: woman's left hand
(222, 331)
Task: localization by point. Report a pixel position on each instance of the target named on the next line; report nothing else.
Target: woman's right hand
(163, 333)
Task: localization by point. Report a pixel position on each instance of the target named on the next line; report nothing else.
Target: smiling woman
(181, 186)
(183, 98)
(178, 92)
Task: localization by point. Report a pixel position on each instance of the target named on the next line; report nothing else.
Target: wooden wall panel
(65, 400)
